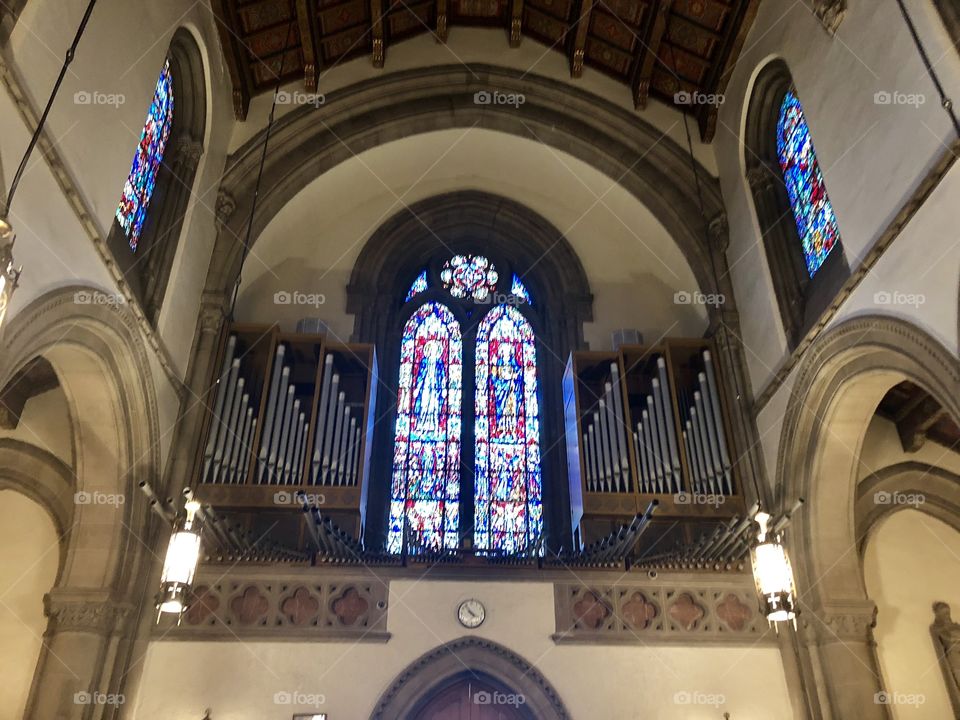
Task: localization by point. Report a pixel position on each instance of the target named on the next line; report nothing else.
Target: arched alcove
(837, 388)
(491, 664)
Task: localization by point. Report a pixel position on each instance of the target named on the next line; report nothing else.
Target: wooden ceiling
(918, 417)
(656, 47)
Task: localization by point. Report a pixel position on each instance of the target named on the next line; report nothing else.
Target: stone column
(72, 680)
(843, 660)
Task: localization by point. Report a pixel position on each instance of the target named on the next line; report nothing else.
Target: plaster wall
(240, 679)
(29, 558)
(633, 266)
(912, 560)
(872, 155)
(45, 422)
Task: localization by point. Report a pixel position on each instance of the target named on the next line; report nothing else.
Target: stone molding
(470, 656)
(93, 611)
(646, 613)
(235, 607)
(830, 13)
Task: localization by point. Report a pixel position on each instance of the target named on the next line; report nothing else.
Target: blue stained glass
(508, 485)
(812, 210)
(519, 290)
(425, 489)
(138, 189)
(419, 285)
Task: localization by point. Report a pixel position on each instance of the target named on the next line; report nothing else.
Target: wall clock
(471, 613)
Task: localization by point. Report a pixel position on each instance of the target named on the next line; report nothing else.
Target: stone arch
(463, 658)
(837, 387)
(43, 478)
(801, 299)
(939, 488)
(101, 361)
(310, 140)
(148, 271)
(513, 236)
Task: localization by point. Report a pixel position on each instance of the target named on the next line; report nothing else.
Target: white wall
(45, 423)
(911, 561)
(882, 448)
(872, 157)
(613, 683)
(633, 266)
(29, 558)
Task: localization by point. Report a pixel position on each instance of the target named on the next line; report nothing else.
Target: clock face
(471, 613)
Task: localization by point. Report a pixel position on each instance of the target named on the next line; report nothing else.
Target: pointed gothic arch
(802, 295)
(461, 659)
(148, 269)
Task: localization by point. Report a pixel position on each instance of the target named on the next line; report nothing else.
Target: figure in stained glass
(138, 189)
(806, 189)
(425, 490)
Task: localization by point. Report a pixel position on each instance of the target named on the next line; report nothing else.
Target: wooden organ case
(290, 418)
(649, 423)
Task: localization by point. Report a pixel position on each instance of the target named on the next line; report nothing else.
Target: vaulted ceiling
(667, 49)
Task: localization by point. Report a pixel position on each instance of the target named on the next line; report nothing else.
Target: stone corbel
(830, 13)
(225, 207)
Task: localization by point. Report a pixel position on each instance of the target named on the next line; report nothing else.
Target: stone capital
(719, 233)
(83, 610)
(843, 622)
(761, 177)
(213, 311)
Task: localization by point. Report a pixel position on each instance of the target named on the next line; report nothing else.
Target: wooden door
(472, 700)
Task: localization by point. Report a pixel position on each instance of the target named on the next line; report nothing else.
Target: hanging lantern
(180, 564)
(773, 575)
(9, 275)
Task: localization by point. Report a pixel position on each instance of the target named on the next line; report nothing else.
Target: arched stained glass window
(519, 290)
(812, 210)
(419, 285)
(138, 189)
(425, 491)
(508, 490)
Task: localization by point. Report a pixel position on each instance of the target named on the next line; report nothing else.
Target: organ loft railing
(284, 458)
(649, 423)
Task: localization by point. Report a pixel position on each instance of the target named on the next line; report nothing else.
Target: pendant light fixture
(9, 273)
(180, 563)
(773, 574)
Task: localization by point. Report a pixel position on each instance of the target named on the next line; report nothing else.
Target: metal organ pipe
(620, 426)
(321, 417)
(222, 390)
(269, 421)
(713, 394)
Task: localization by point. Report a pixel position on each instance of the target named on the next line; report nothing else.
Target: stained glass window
(419, 285)
(138, 189)
(469, 276)
(519, 290)
(508, 490)
(425, 492)
(812, 210)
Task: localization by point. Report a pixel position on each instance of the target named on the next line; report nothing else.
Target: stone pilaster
(84, 632)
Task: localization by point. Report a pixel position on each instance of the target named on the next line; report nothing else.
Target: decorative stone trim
(243, 608)
(468, 656)
(644, 613)
(851, 622)
(85, 611)
(830, 13)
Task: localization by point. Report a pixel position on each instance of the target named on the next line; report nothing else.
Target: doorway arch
(437, 680)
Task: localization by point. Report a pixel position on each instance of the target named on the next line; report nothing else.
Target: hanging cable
(263, 161)
(68, 58)
(945, 102)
